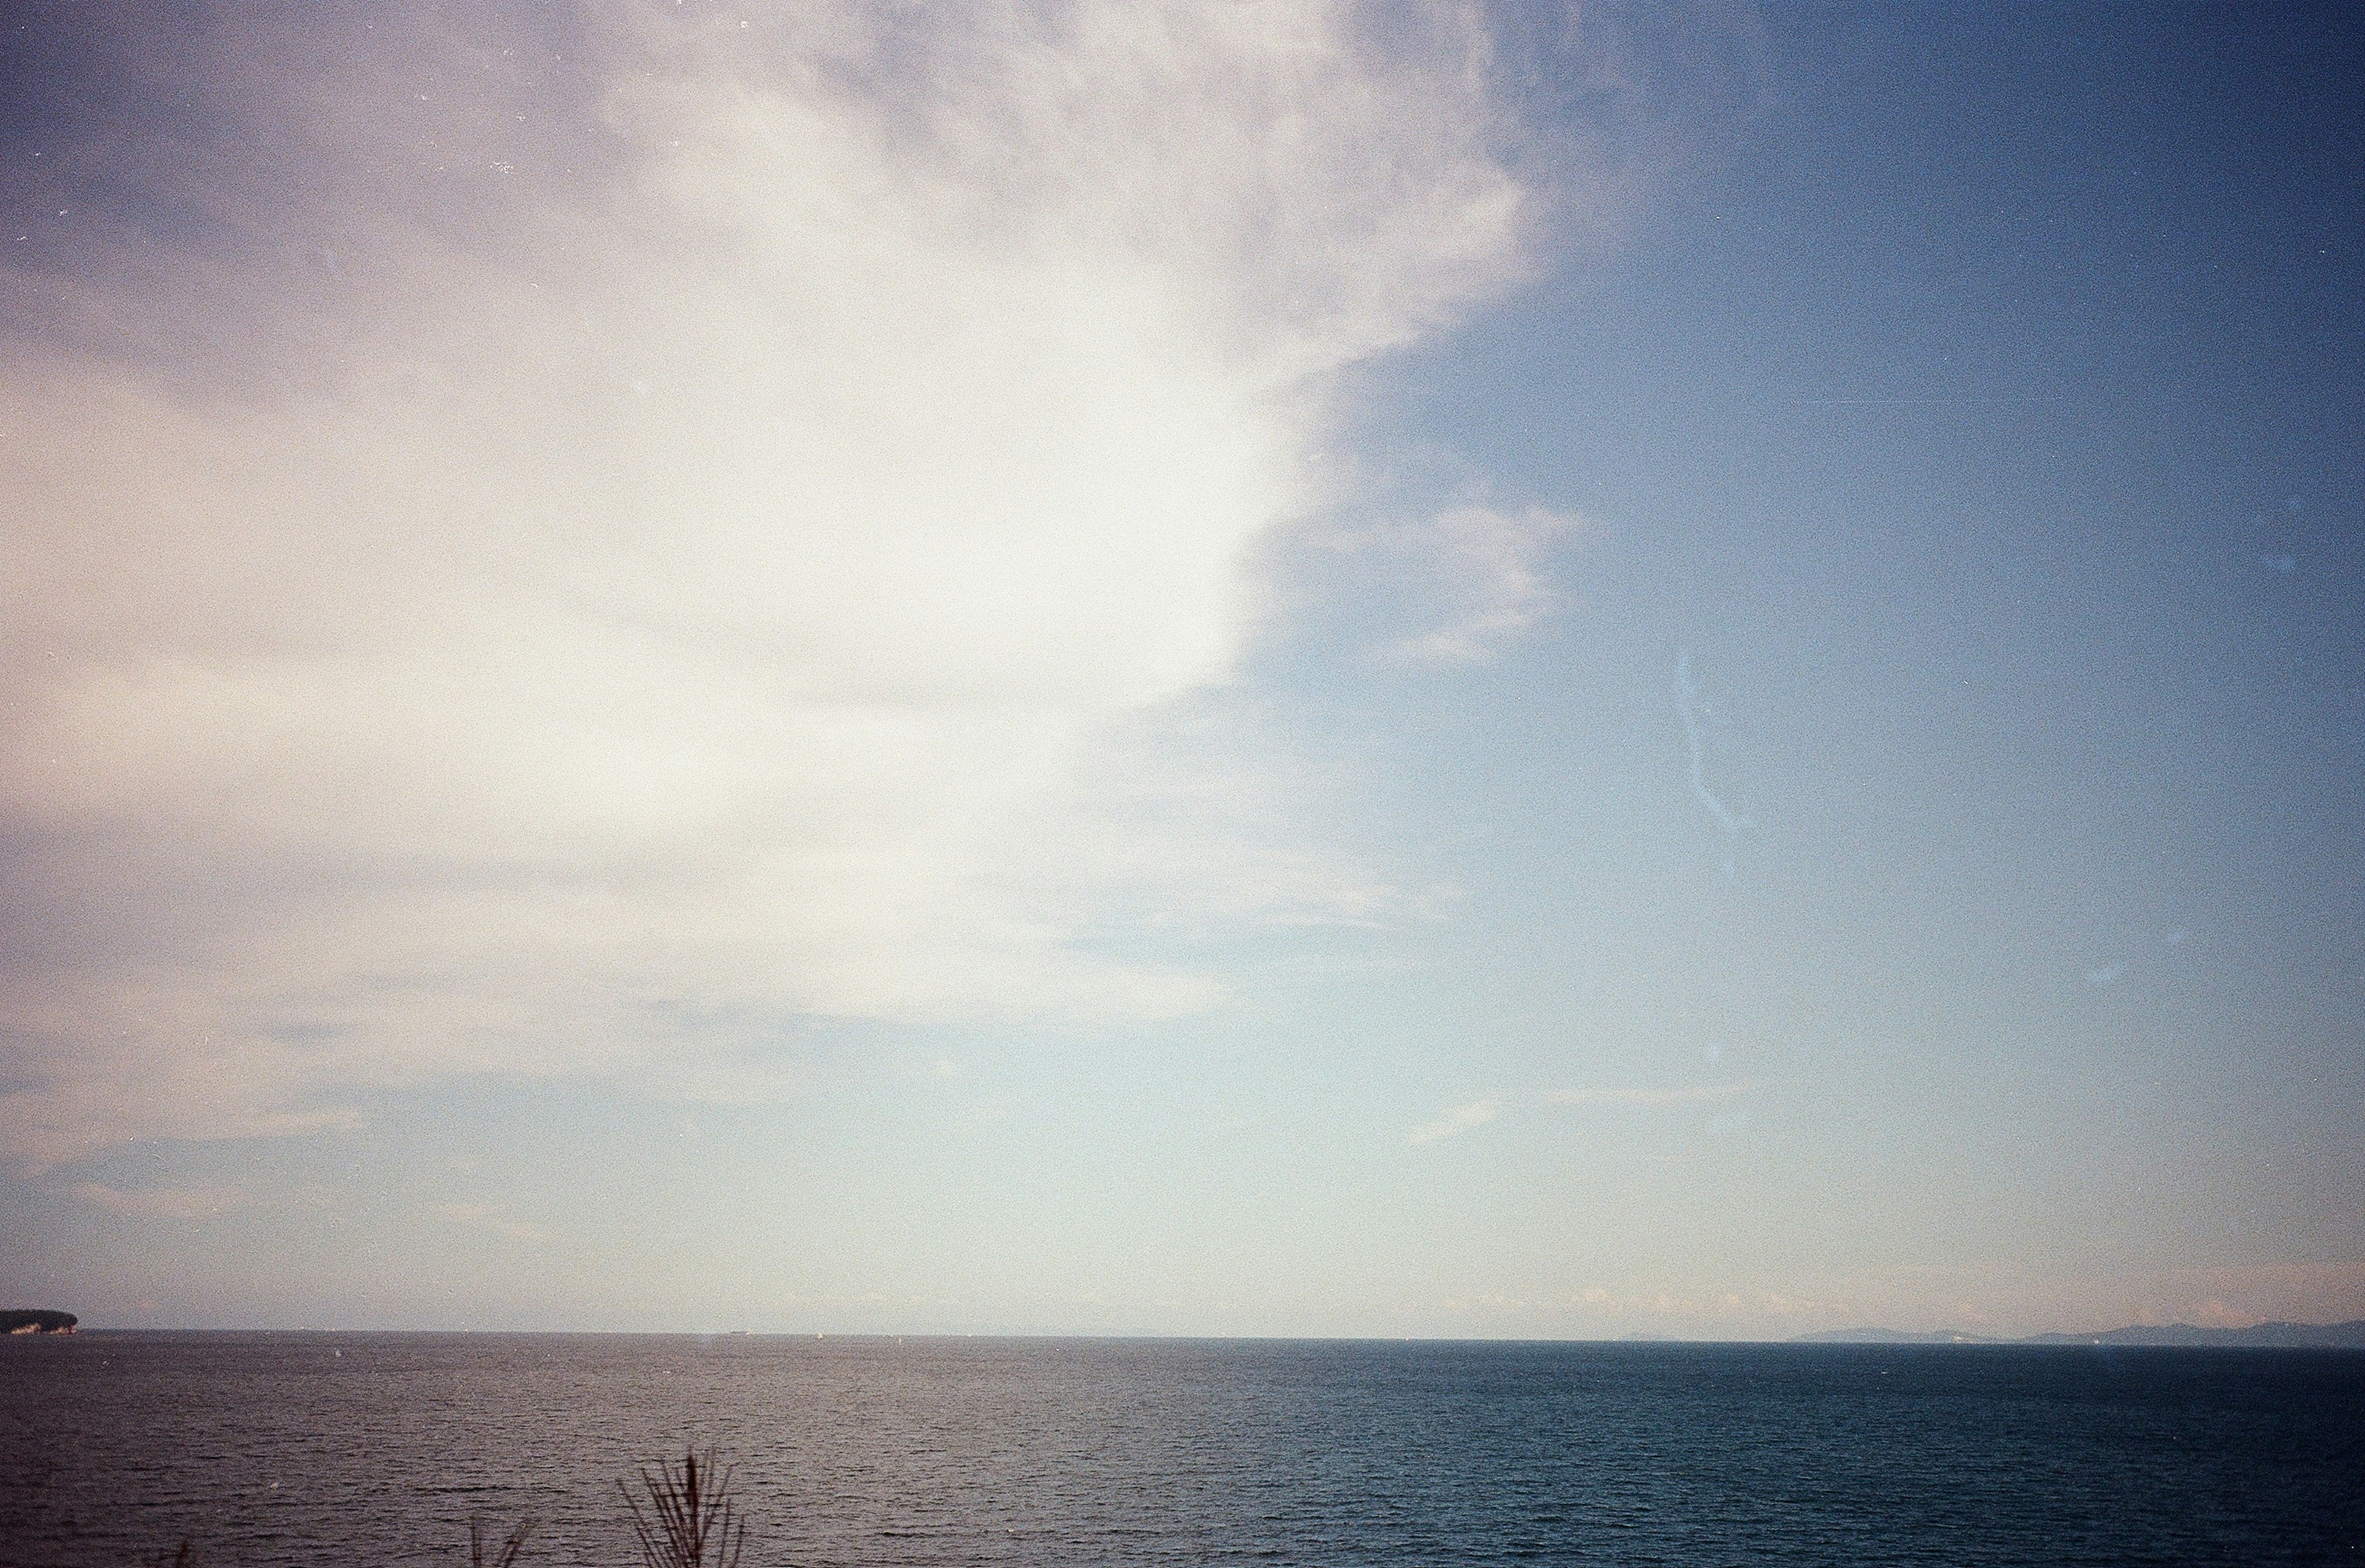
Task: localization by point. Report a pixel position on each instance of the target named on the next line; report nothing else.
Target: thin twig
(691, 1520)
(506, 1554)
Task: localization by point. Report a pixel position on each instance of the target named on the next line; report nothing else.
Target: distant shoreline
(2266, 1335)
(2348, 1336)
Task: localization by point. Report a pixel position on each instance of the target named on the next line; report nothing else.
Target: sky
(1536, 671)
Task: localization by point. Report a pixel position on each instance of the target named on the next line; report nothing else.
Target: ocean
(265, 1449)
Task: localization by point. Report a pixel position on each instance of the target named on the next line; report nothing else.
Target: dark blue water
(377, 1449)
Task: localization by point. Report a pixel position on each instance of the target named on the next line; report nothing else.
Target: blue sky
(1085, 669)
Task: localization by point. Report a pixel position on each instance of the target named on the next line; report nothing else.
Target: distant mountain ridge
(38, 1322)
(2270, 1336)
(1893, 1336)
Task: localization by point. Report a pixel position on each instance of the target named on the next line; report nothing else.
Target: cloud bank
(571, 541)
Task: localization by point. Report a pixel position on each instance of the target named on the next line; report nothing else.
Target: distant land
(2277, 1336)
(38, 1322)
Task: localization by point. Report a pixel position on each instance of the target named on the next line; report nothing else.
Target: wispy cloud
(161, 1203)
(1715, 1305)
(1482, 579)
(486, 1217)
(1478, 1112)
(1698, 717)
(1644, 1097)
(570, 552)
(1460, 1119)
(209, 1201)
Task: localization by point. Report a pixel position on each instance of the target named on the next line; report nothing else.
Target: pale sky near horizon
(1093, 668)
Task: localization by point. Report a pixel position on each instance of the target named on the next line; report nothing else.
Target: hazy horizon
(1529, 671)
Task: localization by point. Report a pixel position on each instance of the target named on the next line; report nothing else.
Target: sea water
(369, 1448)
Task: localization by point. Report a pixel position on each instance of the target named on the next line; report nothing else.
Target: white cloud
(666, 562)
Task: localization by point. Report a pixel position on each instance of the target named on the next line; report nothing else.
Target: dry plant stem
(690, 1521)
(506, 1554)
